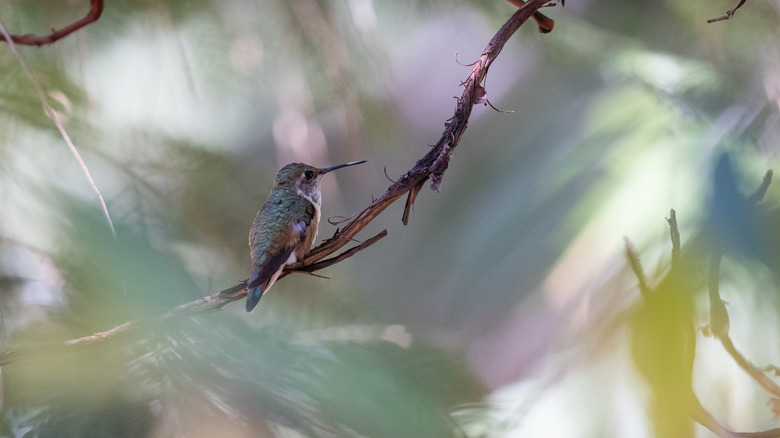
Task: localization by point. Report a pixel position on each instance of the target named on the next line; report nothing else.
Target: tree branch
(544, 22)
(434, 163)
(729, 14)
(756, 373)
(701, 416)
(719, 323)
(719, 317)
(719, 327)
(432, 166)
(95, 10)
(309, 268)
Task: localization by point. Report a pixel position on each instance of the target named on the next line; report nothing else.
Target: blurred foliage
(500, 311)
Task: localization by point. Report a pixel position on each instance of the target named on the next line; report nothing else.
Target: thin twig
(57, 122)
(388, 176)
(95, 10)
(749, 367)
(212, 302)
(729, 14)
(322, 264)
(701, 416)
(336, 220)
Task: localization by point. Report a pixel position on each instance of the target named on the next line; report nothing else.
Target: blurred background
(499, 311)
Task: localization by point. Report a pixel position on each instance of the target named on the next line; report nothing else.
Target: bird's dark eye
(308, 174)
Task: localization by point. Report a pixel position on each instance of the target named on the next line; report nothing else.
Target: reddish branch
(544, 22)
(96, 8)
(432, 166)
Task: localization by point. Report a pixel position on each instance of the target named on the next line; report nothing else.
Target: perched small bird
(286, 226)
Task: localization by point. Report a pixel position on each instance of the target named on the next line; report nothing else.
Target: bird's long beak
(328, 169)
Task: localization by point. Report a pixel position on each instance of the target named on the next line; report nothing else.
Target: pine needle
(53, 115)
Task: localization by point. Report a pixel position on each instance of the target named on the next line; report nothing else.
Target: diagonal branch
(322, 264)
(719, 317)
(95, 10)
(544, 22)
(57, 122)
(719, 322)
(755, 372)
(728, 14)
(431, 166)
(701, 416)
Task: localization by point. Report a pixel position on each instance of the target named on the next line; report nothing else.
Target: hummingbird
(286, 226)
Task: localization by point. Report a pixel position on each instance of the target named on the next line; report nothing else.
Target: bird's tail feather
(253, 297)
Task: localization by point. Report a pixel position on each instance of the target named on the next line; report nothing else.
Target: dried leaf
(480, 96)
